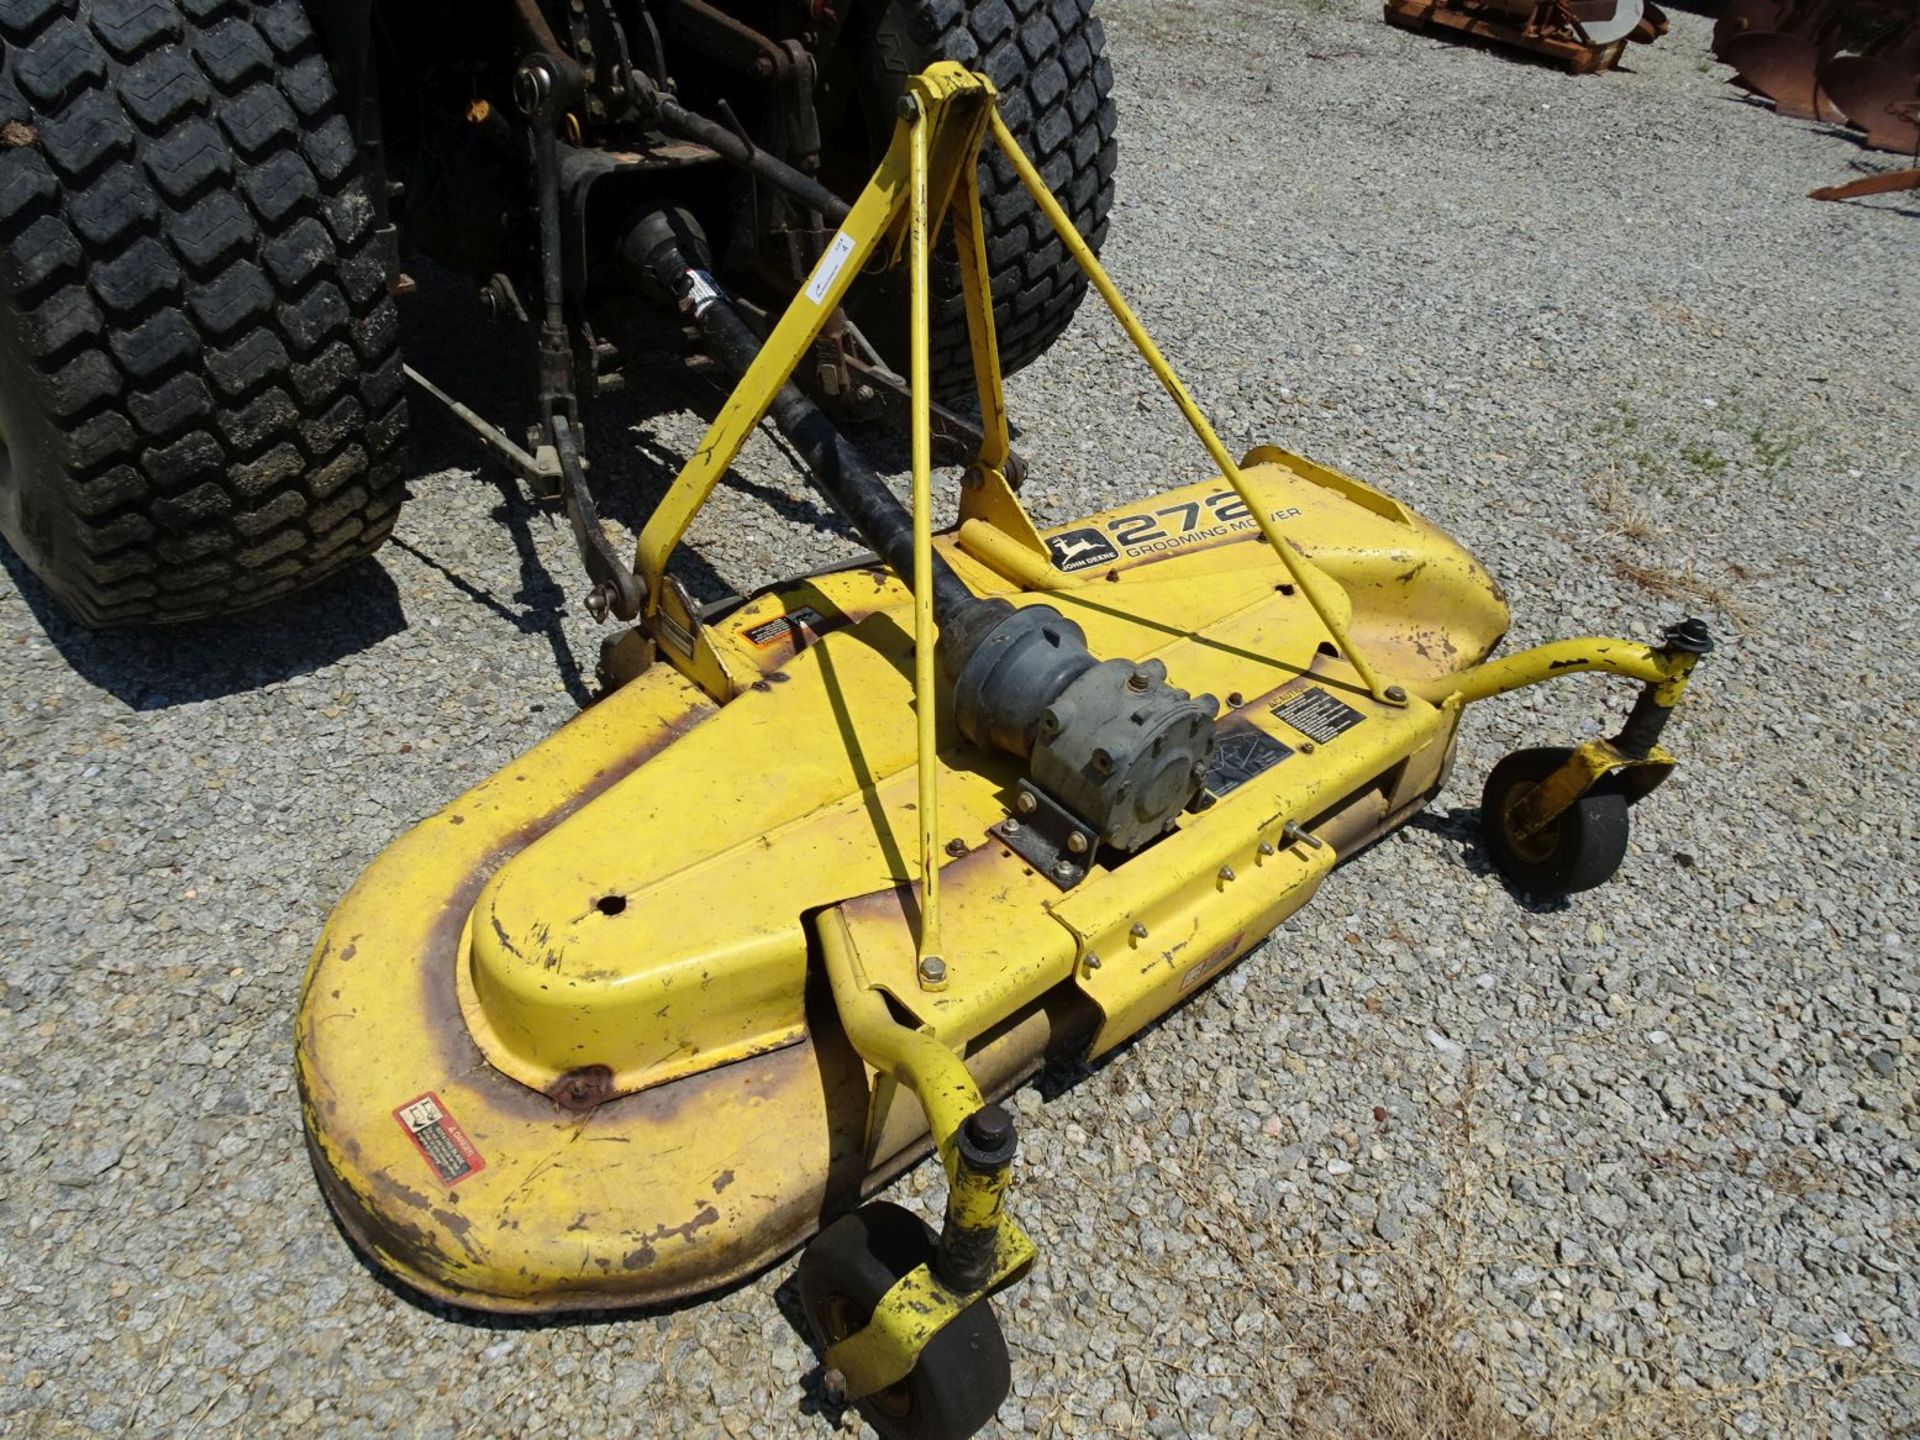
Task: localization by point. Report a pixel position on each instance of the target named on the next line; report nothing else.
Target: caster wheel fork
(1578, 849)
(958, 1381)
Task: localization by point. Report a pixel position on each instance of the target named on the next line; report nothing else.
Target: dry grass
(1682, 584)
(1624, 505)
(1413, 1362)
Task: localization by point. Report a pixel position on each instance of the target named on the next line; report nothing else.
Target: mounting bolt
(1012, 827)
(1226, 873)
(1266, 847)
(834, 1385)
(1077, 843)
(990, 1128)
(1065, 870)
(1396, 693)
(1689, 637)
(1026, 803)
(956, 847)
(600, 602)
(908, 109)
(1139, 681)
(933, 971)
(1293, 833)
(531, 87)
(1139, 931)
(1093, 961)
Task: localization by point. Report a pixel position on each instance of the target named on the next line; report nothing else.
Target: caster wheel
(1582, 848)
(961, 1377)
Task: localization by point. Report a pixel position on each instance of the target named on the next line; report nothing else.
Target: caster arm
(1556, 820)
(981, 1250)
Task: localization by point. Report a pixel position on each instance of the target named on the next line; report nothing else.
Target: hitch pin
(1294, 835)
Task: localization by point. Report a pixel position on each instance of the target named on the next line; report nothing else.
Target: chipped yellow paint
(909, 1315)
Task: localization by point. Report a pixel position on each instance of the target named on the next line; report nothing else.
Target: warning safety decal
(795, 623)
(438, 1137)
(1318, 716)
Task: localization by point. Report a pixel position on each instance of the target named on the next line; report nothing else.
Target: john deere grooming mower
(697, 974)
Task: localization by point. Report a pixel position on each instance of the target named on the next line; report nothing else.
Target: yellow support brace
(932, 968)
(1313, 583)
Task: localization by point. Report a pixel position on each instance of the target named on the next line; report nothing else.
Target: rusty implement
(1879, 97)
(1840, 62)
(1891, 182)
(788, 909)
(1582, 35)
(1782, 67)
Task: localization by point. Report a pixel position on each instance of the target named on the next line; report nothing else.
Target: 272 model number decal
(1192, 520)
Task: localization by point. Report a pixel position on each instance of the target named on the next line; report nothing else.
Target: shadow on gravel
(813, 1400)
(180, 664)
(1460, 827)
(540, 604)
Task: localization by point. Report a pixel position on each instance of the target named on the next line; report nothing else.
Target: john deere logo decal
(1078, 549)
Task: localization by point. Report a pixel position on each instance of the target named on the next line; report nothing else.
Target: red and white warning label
(438, 1137)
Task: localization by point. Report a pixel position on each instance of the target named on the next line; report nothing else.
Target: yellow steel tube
(1005, 556)
(1310, 580)
(932, 966)
(847, 253)
(1562, 657)
(943, 1085)
(970, 237)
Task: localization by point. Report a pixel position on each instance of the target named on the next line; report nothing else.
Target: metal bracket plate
(1584, 768)
(1048, 836)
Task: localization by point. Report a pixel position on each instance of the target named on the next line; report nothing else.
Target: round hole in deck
(611, 904)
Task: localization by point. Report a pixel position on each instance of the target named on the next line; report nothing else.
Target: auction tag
(829, 268)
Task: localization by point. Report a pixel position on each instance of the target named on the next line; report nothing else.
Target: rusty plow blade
(1740, 16)
(1879, 97)
(1583, 35)
(1783, 68)
(1890, 183)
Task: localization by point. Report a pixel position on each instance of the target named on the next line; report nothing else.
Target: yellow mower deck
(595, 963)
(646, 1009)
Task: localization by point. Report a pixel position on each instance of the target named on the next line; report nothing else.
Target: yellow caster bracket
(903, 1314)
(1555, 819)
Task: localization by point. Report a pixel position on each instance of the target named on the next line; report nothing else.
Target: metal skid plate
(1048, 837)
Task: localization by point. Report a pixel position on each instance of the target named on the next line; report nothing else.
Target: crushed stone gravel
(1652, 1150)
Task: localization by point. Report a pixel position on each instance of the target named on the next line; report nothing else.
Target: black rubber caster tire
(1582, 848)
(961, 1378)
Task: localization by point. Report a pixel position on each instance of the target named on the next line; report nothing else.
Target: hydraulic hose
(739, 150)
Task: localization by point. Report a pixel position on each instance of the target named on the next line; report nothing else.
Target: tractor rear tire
(200, 382)
(1047, 58)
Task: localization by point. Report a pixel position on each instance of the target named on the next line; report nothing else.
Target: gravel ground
(1642, 1163)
